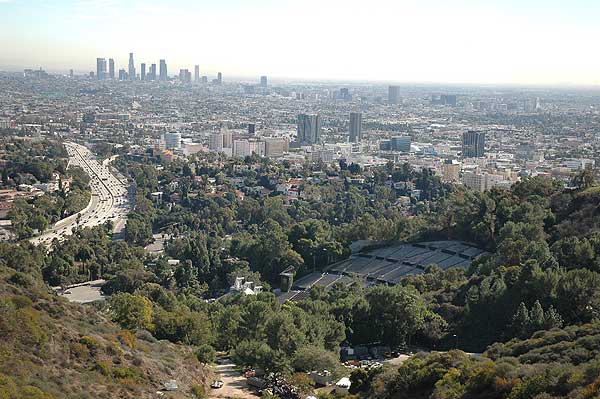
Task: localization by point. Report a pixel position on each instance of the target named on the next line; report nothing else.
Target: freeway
(109, 198)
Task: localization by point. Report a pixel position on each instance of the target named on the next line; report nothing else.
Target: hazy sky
(459, 41)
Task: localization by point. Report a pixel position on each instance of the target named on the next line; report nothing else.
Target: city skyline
(459, 41)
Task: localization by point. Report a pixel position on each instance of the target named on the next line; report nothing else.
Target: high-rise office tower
(143, 71)
(185, 76)
(111, 68)
(473, 145)
(131, 69)
(355, 127)
(152, 73)
(309, 129)
(100, 68)
(162, 70)
(215, 142)
(196, 73)
(263, 81)
(71, 73)
(204, 79)
(122, 74)
(220, 78)
(227, 138)
(393, 95)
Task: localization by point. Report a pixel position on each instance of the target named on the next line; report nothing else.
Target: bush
(206, 353)
(91, 343)
(126, 373)
(103, 368)
(198, 391)
(127, 338)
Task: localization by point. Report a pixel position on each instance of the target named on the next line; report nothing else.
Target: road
(109, 198)
(234, 383)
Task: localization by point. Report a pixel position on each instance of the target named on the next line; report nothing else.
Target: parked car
(217, 384)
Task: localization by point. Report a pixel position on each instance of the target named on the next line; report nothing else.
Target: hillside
(559, 363)
(53, 349)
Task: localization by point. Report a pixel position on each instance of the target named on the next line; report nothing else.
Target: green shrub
(198, 391)
(103, 368)
(206, 353)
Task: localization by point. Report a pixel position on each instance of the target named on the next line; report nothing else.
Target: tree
(521, 321)
(131, 311)
(394, 314)
(311, 358)
(206, 354)
(537, 319)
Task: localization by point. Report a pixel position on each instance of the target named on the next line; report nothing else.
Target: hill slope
(54, 349)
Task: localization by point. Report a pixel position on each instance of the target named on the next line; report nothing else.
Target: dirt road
(234, 384)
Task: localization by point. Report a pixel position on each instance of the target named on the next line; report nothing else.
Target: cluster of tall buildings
(104, 73)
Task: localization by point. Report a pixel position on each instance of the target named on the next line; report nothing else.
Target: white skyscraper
(131, 69)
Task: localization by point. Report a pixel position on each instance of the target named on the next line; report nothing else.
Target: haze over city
(457, 41)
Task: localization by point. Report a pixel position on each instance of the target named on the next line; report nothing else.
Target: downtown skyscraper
(196, 73)
(100, 68)
(111, 68)
(143, 71)
(162, 71)
(131, 69)
(152, 72)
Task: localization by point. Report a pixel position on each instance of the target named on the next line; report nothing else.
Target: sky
(549, 42)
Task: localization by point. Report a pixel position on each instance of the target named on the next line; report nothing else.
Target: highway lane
(109, 198)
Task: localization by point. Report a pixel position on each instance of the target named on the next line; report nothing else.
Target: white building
(215, 142)
(241, 148)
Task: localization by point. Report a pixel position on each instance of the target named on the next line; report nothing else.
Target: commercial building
(173, 140)
(309, 129)
(111, 68)
(400, 143)
(355, 127)
(100, 68)
(263, 81)
(393, 95)
(276, 147)
(473, 144)
(162, 70)
(241, 148)
(215, 142)
(185, 76)
(143, 71)
(227, 138)
(131, 69)
(451, 171)
(152, 72)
